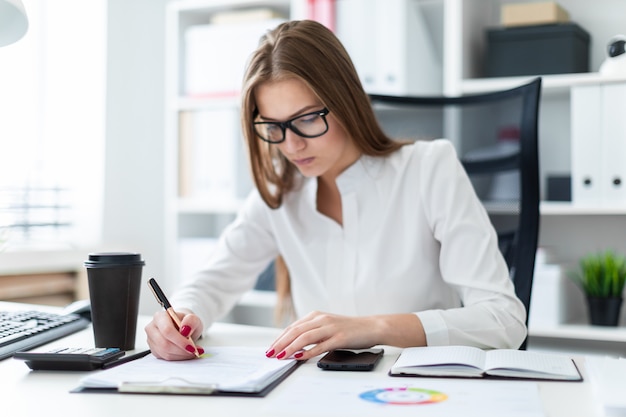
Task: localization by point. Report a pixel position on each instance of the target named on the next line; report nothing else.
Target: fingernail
(269, 353)
(298, 355)
(185, 330)
(200, 351)
(281, 355)
(190, 349)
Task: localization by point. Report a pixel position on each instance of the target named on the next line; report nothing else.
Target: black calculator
(70, 359)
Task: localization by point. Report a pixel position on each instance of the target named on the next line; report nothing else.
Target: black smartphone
(351, 359)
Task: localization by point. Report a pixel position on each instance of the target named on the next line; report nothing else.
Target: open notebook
(221, 370)
(466, 361)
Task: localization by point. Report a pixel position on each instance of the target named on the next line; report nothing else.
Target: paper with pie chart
(389, 397)
(403, 396)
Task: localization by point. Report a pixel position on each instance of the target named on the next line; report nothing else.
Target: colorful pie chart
(403, 396)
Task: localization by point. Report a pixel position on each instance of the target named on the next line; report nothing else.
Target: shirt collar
(366, 167)
(348, 181)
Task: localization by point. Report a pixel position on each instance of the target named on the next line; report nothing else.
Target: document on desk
(221, 370)
(373, 396)
(608, 379)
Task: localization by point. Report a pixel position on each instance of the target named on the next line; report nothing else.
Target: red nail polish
(281, 355)
(200, 351)
(298, 355)
(185, 330)
(269, 353)
(190, 349)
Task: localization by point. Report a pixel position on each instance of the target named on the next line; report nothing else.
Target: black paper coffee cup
(114, 280)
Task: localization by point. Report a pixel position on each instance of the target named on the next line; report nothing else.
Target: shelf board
(550, 83)
(581, 332)
(201, 206)
(565, 208)
(185, 103)
(198, 6)
(557, 208)
(501, 207)
(546, 208)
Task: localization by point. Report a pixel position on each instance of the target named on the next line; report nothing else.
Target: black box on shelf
(559, 188)
(537, 50)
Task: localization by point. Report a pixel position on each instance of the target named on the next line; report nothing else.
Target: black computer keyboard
(24, 330)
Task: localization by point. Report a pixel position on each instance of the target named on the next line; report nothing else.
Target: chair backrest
(496, 137)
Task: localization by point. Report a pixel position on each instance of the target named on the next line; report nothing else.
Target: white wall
(134, 192)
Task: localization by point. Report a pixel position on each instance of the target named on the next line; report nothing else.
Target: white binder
(586, 116)
(613, 161)
(598, 144)
(390, 43)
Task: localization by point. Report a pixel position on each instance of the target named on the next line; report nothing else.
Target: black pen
(125, 359)
(162, 299)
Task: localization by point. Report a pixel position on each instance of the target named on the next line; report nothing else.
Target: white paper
(345, 394)
(608, 379)
(229, 368)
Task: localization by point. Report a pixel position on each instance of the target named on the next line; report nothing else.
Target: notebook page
(441, 355)
(510, 362)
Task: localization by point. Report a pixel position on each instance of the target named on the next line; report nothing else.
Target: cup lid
(107, 259)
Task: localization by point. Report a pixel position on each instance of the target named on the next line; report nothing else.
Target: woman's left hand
(324, 332)
(321, 332)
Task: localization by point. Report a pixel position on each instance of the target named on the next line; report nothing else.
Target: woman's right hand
(166, 342)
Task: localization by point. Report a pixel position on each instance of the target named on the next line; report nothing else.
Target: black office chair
(495, 135)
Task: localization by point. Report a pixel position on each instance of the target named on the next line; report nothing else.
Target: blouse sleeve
(470, 261)
(243, 251)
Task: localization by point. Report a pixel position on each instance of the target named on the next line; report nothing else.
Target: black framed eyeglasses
(310, 125)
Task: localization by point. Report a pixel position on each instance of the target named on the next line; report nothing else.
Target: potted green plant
(601, 277)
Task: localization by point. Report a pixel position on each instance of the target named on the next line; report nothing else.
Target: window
(52, 107)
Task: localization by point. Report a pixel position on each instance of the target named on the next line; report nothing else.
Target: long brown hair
(308, 51)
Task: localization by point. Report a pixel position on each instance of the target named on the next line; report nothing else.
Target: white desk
(46, 393)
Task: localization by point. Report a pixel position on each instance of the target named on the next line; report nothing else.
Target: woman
(385, 242)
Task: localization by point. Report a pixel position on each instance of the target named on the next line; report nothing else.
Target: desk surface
(46, 393)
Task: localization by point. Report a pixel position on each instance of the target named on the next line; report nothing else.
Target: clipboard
(181, 384)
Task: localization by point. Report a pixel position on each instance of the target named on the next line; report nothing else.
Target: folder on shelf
(208, 154)
(598, 144)
(224, 370)
(322, 11)
(403, 56)
(213, 67)
(586, 144)
(613, 185)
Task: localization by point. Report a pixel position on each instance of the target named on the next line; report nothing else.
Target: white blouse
(415, 238)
